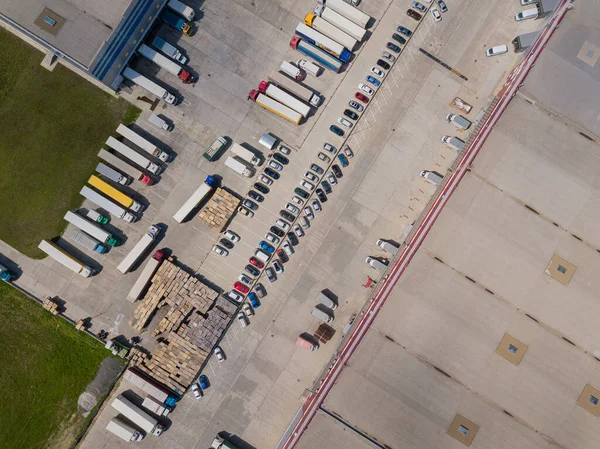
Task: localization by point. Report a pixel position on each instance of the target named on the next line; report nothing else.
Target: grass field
(52, 125)
(45, 365)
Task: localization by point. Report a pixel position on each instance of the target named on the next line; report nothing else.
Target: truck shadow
(75, 252)
(110, 227)
(237, 441)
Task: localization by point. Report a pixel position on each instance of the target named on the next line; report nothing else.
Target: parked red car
(241, 287)
(257, 263)
(361, 97)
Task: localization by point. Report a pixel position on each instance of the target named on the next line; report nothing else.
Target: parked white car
(344, 122)
(436, 14)
(366, 89)
(220, 251)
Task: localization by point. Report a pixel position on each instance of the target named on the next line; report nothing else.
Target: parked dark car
(334, 129)
(292, 238)
(250, 204)
(398, 38)
(256, 196)
(281, 158)
(392, 47)
(261, 188)
(226, 243)
(301, 193)
(384, 65)
(404, 31)
(337, 171)
(414, 14)
(286, 215)
(321, 195)
(252, 270)
(272, 173)
(278, 232)
(350, 114)
(326, 187)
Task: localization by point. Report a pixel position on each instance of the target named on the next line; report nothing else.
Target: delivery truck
(387, 246)
(170, 50)
(124, 431)
(160, 122)
(329, 30)
(324, 42)
(306, 344)
(239, 167)
(284, 98)
(136, 415)
(295, 88)
(327, 60)
(106, 204)
(142, 143)
(112, 174)
(168, 64)
(140, 247)
(291, 70)
(220, 443)
(348, 11)
(346, 25)
(309, 67)
(98, 218)
(215, 148)
(66, 259)
(133, 155)
(432, 177)
(114, 194)
(201, 192)
(90, 228)
(176, 22)
(454, 142)
(148, 385)
(275, 107)
(245, 154)
(459, 121)
(85, 240)
(181, 9)
(142, 282)
(125, 167)
(149, 85)
(155, 406)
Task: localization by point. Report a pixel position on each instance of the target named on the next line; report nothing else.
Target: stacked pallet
(50, 305)
(173, 319)
(205, 332)
(324, 333)
(219, 210)
(81, 325)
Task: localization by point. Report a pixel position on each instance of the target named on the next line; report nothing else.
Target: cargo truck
(324, 42)
(5, 274)
(174, 21)
(106, 204)
(168, 64)
(91, 228)
(387, 246)
(170, 50)
(309, 67)
(142, 143)
(205, 188)
(85, 240)
(125, 167)
(132, 155)
(181, 9)
(348, 11)
(66, 259)
(213, 150)
(149, 386)
(306, 344)
(136, 415)
(459, 121)
(160, 122)
(346, 25)
(149, 85)
(155, 406)
(115, 194)
(239, 167)
(147, 273)
(112, 174)
(117, 427)
(97, 218)
(284, 98)
(321, 56)
(245, 154)
(291, 70)
(295, 89)
(275, 107)
(220, 443)
(432, 177)
(139, 248)
(453, 142)
(329, 30)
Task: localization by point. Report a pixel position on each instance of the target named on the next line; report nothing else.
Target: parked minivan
(326, 301)
(531, 13)
(322, 315)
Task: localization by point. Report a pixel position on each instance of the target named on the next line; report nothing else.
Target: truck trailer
(147, 273)
(125, 167)
(181, 9)
(205, 188)
(321, 56)
(176, 22)
(112, 174)
(149, 85)
(346, 25)
(136, 415)
(132, 155)
(106, 204)
(148, 385)
(220, 443)
(348, 11)
(283, 97)
(168, 64)
(324, 42)
(155, 406)
(239, 167)
(170, 50)
(85, 240)
(295, 88)
(139, 248)
(90, 228)
(115, 194)
(124, 431)
(142, 143)
(275, 107)
(329, 30)
(245, 154)
(66, 259)
(291, 70)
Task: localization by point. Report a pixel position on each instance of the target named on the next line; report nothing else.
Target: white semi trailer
(141, 246)
(149, 85)
(106, 204)
(205, 188)
(144, 144)
(137, 416)
(132, 155)
(124, 431)
(66, 259)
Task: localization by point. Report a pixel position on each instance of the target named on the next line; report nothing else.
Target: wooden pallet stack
(50, 305)
(219, 210)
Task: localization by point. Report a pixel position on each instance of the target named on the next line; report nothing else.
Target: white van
(527, 14)
(432, 177)
(326, 301)
(157, 121)
(291, 70)
(310, 67)
(378, 265)
(261, 255)
(304, 222)
(322, 316)
(497, 50)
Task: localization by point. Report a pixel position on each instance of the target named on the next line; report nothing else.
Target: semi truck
(142, 143)
(112, 174)
(220, 443)
(66, 259)
(170, 50)
(155, 406)
(149, 386)
(124, 431)
(324, 42)
(147, 273)
(283, 97)
(275, 107)
(181, 9)
(132, 155)
(329, 30)
(149, 85)
(136, 415)
(327, 60)
(115, 194)
(106, 204)
(168, 64)
(90, 228)
(348, 11)
(139, 248)
(176, 22)
(245, 154)
(205, 188)
(85, 240)
(125, 167)
(295, 89)
(239, 167)
(213, 150)
(346, 25)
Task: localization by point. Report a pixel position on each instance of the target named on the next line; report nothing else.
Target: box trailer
(346, 25)
(149, 85)
(330, 30)
(125, 167)
(324, 42)
(166, 63)
(327, 60)
(140, 247)
(155, 406)
(142, 282)
(148, 385)
(106, 204)
(66, 259)
(239, 167)
(160, 122)
(170, 50)
(132, 155)
(115, 194)
(284, 98)
(220, 443)
(275, 107)
(205, 188)
(90, 228)
(112, 174)
(124, 431)
(245, 154)
(291, 70)
(181, 8)
(85, 240)
(348, 11)
(136, 415)
(142, 143)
